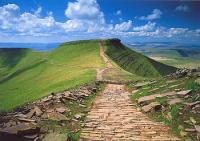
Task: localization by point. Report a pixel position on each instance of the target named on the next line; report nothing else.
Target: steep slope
(37, 74)
(135, 62)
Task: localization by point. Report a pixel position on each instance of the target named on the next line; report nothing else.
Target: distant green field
(176, 56)
(27, 75)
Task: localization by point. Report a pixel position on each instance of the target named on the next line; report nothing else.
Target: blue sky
(129, 20)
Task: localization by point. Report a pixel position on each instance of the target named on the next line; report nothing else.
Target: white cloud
(32, 26)
(171, 32)
(119, 12)
(8, 14)
(182, 8)
(124, 26)
(11, 21)
(85, 15)
(83, 9)
(156, 14)
(147, 27)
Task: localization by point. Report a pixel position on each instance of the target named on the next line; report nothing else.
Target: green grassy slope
(37, 74)
(135, 62)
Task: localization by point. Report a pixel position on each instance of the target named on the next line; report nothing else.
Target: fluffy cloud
(147, 27)
(182, 8)
(8, 14)
(83, 9)
(124, 26)
(156, 14)
(84, 15)
(26, 23)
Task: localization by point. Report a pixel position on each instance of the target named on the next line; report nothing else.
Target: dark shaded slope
(10, 56)
(135, 62)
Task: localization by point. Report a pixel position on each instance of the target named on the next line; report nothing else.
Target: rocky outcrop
(25, 123)
(184, 72)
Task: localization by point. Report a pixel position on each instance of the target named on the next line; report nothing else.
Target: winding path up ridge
(114, 117)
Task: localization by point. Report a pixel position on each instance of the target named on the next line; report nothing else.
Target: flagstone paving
(114, 117)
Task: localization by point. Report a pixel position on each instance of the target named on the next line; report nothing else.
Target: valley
(178, 55)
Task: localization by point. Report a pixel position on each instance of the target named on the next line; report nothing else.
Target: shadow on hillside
(10, 56)
(10, 76)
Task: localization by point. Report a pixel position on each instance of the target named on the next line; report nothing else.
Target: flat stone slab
(141, 84)
(183, 93)
(21, 129)
(152, 106)
(56, 116)
(154, 96)
(174, 101)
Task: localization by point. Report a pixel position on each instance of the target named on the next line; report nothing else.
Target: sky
(49, 21)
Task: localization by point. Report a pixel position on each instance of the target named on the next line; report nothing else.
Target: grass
(38, 74)
(134, 62)
(192, 85)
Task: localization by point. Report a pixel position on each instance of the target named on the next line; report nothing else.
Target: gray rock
(61, 110)
(26, 119)
(34, 112)
(190, 130)
(184, 93)
(56, 116)
(78, 116)
(175, 101)
(141, 84)
(154, 96)
(152, 106)
(193, 104)
(21, 129)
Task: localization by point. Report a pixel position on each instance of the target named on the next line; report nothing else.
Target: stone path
(114, 117)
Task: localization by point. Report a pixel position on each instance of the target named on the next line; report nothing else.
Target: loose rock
(154, 105)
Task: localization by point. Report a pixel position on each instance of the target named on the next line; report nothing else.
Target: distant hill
(135, 62)
(34, 46)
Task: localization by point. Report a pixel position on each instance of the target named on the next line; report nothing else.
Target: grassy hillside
(135, 62)
(27, 75)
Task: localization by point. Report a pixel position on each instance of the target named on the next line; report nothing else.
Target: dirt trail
(107, 62)
(114, 117)
(104, 57)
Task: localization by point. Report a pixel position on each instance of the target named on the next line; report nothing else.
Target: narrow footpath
(114, 117)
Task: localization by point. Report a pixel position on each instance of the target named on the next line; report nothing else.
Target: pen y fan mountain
(27, 75)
